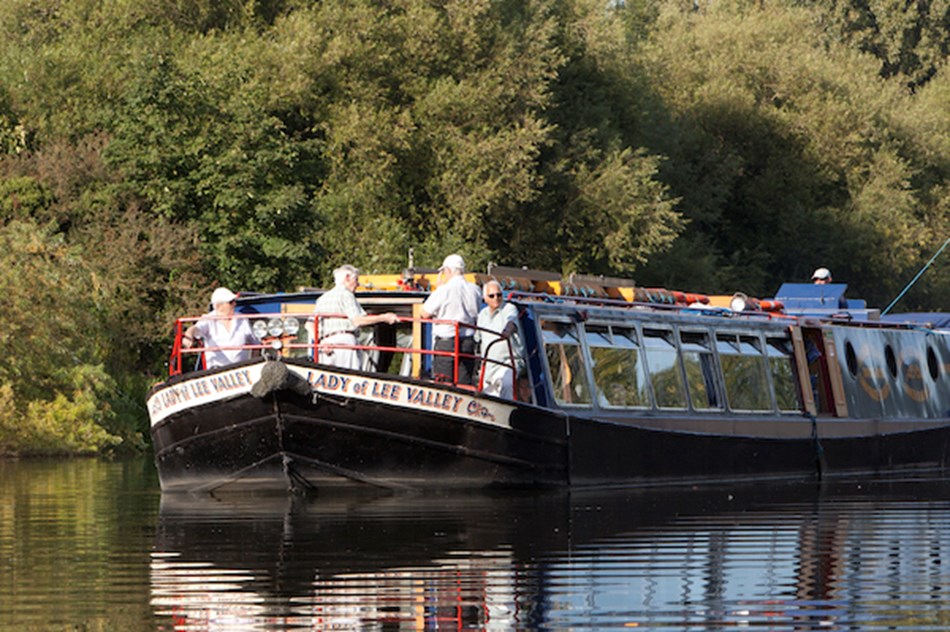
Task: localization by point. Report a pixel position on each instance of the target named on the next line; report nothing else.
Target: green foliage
(22, 198)
(789, 153)
(69, 423)
(621, 200)
(910, 39)
(54, 388)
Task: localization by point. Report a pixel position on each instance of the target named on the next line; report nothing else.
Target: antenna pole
(914, 280)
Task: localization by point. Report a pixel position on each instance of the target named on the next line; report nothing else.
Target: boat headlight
(291, 326)
(275, 327)
(739, 302)
(260, 329)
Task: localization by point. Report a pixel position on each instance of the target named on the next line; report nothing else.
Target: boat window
(663, 364)
(402, 360)
(598, 335)
(851, 359)
(743, 372)
(782, 368)
(619, 372)
(750, 345)
(932, 364)
(891, 360)
(700, 366)
(384, 358)
(566, 361)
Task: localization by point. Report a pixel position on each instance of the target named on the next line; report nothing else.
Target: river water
(93, 545)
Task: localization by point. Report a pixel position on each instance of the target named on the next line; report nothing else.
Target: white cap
(821, 273)
(453, 261)
(222, 295)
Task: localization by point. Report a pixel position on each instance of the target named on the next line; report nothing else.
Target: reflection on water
(843, 556)
(74, 543)
(95, 546)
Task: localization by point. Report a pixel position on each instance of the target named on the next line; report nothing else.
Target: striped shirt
(339, 300)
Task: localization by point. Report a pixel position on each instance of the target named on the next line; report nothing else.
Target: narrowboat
(621, 385)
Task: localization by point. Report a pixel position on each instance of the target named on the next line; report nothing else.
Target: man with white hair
(224, 336)
(454, 300)
(345, 317)
(497, 327)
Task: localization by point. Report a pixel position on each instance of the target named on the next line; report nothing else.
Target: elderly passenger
(454, 300)
(501, 321)
(341, 302)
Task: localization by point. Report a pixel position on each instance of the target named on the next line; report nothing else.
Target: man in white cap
(454, 300)
(341, 301)
(821, 276)
(224, 336)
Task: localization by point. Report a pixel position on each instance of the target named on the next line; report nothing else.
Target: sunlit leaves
(789, 132)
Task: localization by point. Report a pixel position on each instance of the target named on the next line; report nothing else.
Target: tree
(911, 40)
(787, 150)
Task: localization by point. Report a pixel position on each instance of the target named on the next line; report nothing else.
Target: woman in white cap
(223, 335)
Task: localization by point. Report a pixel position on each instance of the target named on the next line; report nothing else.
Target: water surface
(95, 546)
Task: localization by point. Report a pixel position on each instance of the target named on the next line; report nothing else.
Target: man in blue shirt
(454, 300)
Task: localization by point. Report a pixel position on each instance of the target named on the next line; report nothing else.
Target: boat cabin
(610, 349)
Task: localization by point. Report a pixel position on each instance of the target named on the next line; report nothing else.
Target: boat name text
(416, 396)
(206, 389)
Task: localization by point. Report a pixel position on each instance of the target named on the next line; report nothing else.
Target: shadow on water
(841, 555)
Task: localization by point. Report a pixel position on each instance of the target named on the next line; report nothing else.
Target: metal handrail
(314, 346)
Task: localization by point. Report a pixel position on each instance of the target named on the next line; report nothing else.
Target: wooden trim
(834, 373)
(416, 339)
(801, 364)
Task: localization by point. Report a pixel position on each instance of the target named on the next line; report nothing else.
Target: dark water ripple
(94, 546)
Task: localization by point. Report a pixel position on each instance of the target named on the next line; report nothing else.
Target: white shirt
(456, 300)
(496, 321)
(214, 334)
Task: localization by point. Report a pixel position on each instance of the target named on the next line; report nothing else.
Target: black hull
(288, 440)
(298, 438)
(649, 452)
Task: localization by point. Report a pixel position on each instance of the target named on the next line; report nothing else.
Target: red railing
(312, 345)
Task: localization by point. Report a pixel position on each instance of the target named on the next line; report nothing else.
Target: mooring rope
(914, 280)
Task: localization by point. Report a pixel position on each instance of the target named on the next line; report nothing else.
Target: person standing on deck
(502, 318)
(341, 302)
(223, 335)
(455, 299)
(821, 276)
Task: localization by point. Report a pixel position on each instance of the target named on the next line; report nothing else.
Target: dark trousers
(443, 367)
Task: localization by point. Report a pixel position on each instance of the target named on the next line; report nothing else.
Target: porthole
(891, 360)
(932, 363)
(851, 359)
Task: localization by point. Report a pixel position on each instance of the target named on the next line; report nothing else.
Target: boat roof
(930, 320)
(608, 297)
